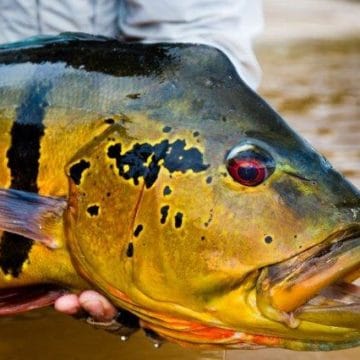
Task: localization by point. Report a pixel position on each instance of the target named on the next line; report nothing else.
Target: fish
(153, 174)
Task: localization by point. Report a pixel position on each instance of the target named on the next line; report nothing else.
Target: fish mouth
(318, 285)
(22, 299)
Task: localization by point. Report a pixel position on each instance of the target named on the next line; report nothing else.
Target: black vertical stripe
(23, 162)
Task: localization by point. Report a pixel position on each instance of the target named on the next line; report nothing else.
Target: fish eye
(249, 165)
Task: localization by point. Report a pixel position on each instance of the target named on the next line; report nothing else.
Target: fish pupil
(248, 173)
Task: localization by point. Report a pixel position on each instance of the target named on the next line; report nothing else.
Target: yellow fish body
(154, 175)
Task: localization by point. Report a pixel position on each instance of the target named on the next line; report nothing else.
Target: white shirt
(229, 25)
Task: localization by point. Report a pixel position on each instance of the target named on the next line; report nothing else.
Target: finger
(68, 304)
(97, 306)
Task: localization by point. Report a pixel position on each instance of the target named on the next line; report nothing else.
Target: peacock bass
(154, 175)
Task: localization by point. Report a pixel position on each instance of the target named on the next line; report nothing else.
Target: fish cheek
(169, 249)
(187, 252)
(101, 210)
(257, 228)
(313, 219)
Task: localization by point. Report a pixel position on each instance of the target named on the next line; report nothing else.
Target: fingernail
(95, 309)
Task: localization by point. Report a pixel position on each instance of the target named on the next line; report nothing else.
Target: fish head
(213, 221)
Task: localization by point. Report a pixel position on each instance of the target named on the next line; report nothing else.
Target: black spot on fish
(268, 239)
(108, 194)
(114, 150)
(77, 169)
(203, 238)
(135, 164)
(93, 210)
(109, 121)
(167, 190)
(166, 129)
(133, 96)
(23, 162)
(178, 219)
(130, 250)
(209, 180)
(196, 133)
(138, 230)
(179, 159)
(164, 211)
(223, 118)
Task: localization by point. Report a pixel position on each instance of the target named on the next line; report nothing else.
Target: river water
(315, 84)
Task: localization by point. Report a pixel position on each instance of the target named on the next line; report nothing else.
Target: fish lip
(338, 303)
(290, 288)
(21, 299)
(332, 247)
(348, 233)
(325, 247)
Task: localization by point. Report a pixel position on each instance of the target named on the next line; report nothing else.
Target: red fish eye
(249, 167)
(249, 172)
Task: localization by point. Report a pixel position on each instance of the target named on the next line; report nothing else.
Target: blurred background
(310, 56)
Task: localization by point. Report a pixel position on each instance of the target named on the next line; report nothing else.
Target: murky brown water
(315, 86)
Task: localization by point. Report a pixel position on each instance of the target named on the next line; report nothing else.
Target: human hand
(98, 311)
(94, 304)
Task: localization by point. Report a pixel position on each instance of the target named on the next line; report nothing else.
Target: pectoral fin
(32, 216)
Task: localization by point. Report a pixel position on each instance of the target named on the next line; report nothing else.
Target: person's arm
(228, 25)
(25, 18)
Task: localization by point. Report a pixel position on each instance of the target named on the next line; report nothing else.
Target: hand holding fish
(93, 303)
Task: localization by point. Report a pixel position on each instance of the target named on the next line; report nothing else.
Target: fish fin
(31, 215)
(45, 40)
(20, 299)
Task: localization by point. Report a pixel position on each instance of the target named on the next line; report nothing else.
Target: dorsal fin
(44, 40)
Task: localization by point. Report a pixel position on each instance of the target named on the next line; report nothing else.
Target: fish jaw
(314, 286)
(214, 335)
(288, 305)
